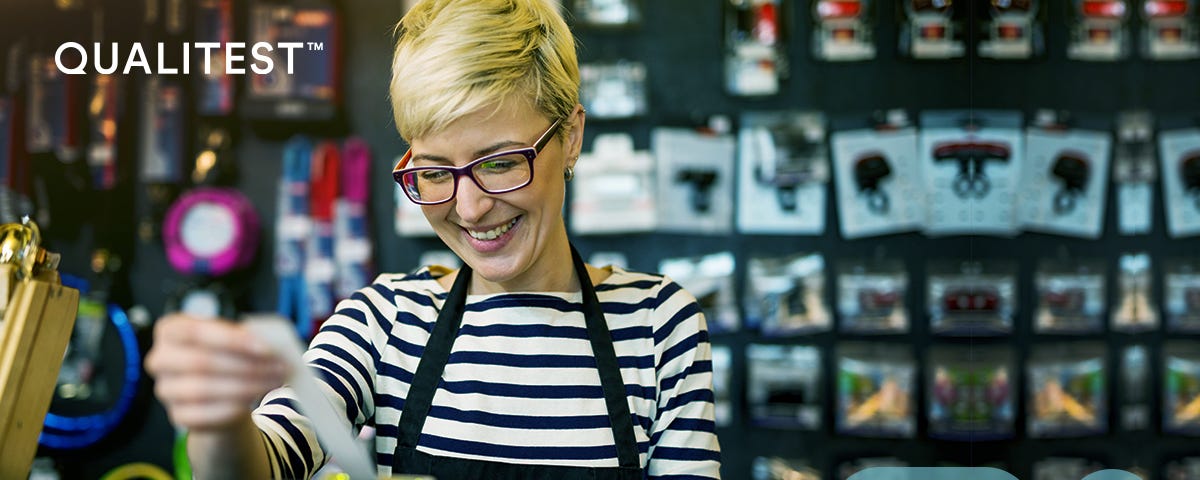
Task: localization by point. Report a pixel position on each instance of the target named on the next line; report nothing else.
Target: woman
(525, 363)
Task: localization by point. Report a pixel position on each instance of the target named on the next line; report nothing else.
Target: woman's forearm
(234, 453)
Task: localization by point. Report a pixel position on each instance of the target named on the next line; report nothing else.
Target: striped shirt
(521, 384)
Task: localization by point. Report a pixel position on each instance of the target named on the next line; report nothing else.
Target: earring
(569, 173)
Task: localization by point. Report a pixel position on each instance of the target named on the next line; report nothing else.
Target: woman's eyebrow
(497, 146)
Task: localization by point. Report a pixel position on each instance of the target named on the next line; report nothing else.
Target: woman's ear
(575, 139)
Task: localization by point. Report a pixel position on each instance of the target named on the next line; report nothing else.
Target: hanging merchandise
(351, 228)
(1067, 393)
(775, 468)
(8, 153)
(608, 13)
(1066, 467)
(51, 125)
(215, 87)
(971, 298)
(1013, 30)
(210, 231)
(305, 82)
(783, 386)
(1098, 30)
(710, 279)
(931, 30)
(1181, 388)
(1181, 301)
(842, 30)
(755, 53)
(614, 188)
(1180, 154)
(1169, 30)
(1071, 296)
(695, 180)
(971, 166)
(104, 118)
(971, 393)
(722, 366)
(848, 468)
(1134, 311)
(784, 167)
(320, 269)
(1187, 467)
(871, 296)
(292, 229)
(878, 176)
(1135, 172)
(1064, 179)
(101, 372)
(613, 90)
(162, 149)
(786, 295)
(1135, 388)
(875, 385)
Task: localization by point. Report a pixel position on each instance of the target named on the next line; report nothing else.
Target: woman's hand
(210, 373)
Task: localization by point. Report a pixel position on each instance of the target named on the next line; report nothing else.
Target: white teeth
(493, 233)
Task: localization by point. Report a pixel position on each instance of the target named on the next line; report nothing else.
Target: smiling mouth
(493, 233)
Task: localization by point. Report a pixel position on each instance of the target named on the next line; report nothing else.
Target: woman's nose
(471, 202)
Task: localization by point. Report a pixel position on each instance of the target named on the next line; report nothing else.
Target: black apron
(408, 460)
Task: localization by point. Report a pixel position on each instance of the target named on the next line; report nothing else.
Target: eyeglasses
(500, 172)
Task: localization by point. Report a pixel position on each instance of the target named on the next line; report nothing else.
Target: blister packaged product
(971, 161)
(875, 385)
(880, 187)
(1135, 309)
(756, 60)
(614, 188)
(786, 295)
(932, 29)
(1181, 299)
(1099, 30)
(1062, 468)
(971, 392)
(871, 296)
(848, 468)
(1169, 30)
(1071, 296)
(784, 169)
(971, 298)
(1064, 181)
(1013, 30)
(1179, 151)
(776, 468)
(843, 30)
(710, 279)
(1135, 172)
(722, 365)
(1181, 387)
(613, 90)
(695, 180)
(305, 83)
(608, 13)
(783, 386)
(1066, 392)
(1135, 388)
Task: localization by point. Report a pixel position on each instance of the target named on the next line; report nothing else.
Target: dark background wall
(681, 44)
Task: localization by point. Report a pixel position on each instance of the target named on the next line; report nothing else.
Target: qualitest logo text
(232, 58)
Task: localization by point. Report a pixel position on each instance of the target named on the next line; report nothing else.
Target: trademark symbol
(316, 46)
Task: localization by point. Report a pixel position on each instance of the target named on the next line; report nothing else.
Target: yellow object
(139, 470)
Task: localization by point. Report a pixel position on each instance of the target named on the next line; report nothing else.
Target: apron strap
(433, 362)
(437, 353)
(610, 372)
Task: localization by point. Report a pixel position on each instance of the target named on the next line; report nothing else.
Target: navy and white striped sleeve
(683, 443)
(343, 357)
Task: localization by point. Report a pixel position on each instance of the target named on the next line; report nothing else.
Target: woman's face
(514, 240)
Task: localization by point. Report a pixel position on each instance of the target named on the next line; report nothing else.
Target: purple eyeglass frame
(530, 153)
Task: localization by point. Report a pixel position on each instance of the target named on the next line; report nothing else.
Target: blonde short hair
(454, 57)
